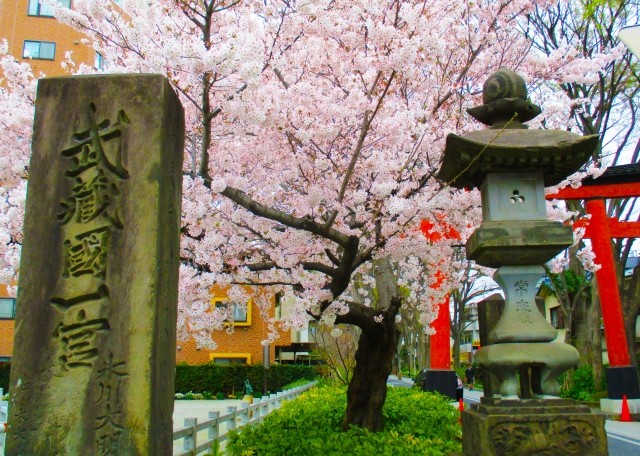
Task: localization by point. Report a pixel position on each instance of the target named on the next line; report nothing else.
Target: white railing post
(264, 407)
(244, 413)
(231, 424)
(272, 402)
(279, 399)
(4, 411)
(214, 426)
(190, 441)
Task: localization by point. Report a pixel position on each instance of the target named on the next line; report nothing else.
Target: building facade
(34, 35)
(7, 324)
(242, 343)
(470, 336)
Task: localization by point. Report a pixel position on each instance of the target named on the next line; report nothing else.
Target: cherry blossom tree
(315, 129)
(17, 96)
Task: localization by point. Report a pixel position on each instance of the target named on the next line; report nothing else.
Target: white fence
(219, 425)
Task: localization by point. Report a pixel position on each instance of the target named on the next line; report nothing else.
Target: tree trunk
(587, 337)
(368, 387)
(630, 328)
(456, 351)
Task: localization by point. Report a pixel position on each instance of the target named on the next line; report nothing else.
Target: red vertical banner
(614, 331)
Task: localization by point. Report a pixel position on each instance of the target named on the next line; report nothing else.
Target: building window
(44, 50)
(557, 317)
(43, 9)
(240, 316)
(99, 61)
(278, 310)
(230, 358)
(227, 361)
(7, 308)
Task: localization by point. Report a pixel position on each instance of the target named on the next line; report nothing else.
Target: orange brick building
(244, 344)
(7, 324)
(34, 35)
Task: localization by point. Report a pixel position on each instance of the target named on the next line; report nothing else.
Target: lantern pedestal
(517, 427)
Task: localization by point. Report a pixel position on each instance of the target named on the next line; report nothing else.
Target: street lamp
(630, 36)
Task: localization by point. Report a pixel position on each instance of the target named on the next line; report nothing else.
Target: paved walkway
(199, 410)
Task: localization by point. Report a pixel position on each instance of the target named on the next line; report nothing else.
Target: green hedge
(220, 379)
(416, 423)
(214, 378)
(5, 369)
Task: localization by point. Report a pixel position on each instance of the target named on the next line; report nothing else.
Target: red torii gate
(440, 342)
(617, 182)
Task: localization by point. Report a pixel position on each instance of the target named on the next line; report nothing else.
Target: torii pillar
(440, 377)
(616, 182)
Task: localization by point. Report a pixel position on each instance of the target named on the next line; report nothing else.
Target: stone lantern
(511, 165)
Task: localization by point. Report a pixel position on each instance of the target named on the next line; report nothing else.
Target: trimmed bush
(211, 379)
(581, 386)
(416, 423)
(229, 380)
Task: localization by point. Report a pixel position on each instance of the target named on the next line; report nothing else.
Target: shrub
(301, 382)
(581, 385)
(227, 380)
(230, 379)
(415, 423)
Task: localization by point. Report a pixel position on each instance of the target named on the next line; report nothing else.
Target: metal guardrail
(219, 425)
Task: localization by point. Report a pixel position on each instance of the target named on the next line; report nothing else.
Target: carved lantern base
(532, 427)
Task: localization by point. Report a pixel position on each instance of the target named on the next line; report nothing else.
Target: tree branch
(301, 223)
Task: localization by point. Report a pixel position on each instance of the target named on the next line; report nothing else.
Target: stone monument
(94, 359)
(511, 165)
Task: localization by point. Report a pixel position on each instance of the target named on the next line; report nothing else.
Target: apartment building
(242, 345)
(34, 35)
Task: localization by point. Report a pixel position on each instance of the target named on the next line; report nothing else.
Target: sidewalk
(198, 409)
